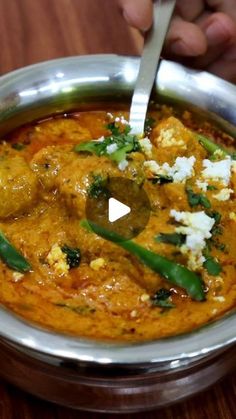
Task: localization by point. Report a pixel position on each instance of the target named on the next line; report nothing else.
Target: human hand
(202, 33)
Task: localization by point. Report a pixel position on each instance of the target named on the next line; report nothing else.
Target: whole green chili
(212, 147)
(11, 256)
(175, 273)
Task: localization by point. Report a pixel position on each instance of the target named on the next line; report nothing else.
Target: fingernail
(216, 34)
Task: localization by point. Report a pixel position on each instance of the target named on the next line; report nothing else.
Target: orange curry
(82, 284)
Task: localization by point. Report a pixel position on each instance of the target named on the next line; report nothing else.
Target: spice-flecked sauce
(110, 296)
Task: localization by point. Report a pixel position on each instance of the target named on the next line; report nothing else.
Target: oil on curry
(178, 274)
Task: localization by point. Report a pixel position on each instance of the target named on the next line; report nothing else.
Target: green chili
(175, 273)
(11, 256)
(212, 147)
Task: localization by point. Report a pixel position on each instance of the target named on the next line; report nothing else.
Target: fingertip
(185, 39)
(138, 13)
(219, 29)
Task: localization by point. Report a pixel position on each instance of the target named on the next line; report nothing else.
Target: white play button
(120, 206)
(116, 210)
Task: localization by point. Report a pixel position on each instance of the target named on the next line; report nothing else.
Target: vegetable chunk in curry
(176, 275)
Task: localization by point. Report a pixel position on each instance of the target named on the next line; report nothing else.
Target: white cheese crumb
(133, 313)
(17, 276)
(111, 148)
(146, 146)
(224, 194)
(122, 120)
(232, 216)
(197, 228)
(122, 165)
(202, 185)
(56, 259)
(97, 264)
(145, 297)
(219, 299)
(167, 138)
(100, 139)
(218, 171)
(152, 166)
(180, 171)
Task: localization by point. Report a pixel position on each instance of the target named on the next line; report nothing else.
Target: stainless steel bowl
(82, 373)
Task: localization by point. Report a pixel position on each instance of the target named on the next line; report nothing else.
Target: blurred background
(38, 30)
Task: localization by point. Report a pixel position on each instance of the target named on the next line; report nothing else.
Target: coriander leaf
(73, 256)
(93, 147)
(161, 179)
(176, 239)
(219, 246)
(212, 266)
(217, 230)
(211, 188)
(195, 199)
(122, 142)
(115, 130)
(98, 187)
(162, 299)
(216, 215)
(18, 146)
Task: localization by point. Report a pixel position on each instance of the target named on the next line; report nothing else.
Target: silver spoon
(162, 10)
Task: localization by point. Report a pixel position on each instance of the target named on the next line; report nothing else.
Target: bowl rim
(211, 337)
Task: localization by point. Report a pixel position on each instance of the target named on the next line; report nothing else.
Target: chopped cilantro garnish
(216, 230)
(98, 187)
(219, 246)
(18, 146)
(195, 199)
(73, 256)
(211, 188)
(216, 215)
(177, 239)
(162, 299)
(123, 141)
(212, 266)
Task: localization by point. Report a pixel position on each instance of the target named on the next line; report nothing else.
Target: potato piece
(18, 186)
(74, 179)
(47, 163)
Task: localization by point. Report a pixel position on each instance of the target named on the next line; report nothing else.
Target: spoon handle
(148, 65)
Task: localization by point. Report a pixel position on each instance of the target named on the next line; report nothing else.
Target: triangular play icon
(116, 210)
